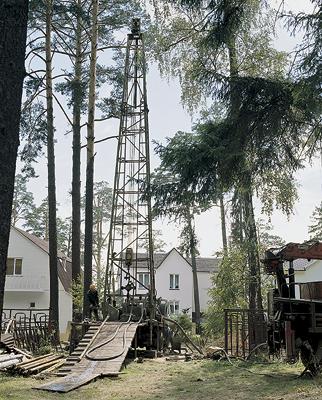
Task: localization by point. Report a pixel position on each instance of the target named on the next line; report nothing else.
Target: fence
(244, 331)
(30, 328)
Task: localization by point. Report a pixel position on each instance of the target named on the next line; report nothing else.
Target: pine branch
(63, 110)
(102, 140)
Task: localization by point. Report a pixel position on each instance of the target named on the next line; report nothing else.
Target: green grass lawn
(195, 380)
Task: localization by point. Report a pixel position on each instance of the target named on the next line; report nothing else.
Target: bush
(184, 321)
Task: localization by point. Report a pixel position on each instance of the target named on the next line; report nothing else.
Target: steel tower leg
(131, 219)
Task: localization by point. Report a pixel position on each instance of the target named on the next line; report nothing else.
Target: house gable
(176, 258)
(38, 249)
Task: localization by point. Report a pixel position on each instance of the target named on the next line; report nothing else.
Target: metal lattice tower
(130, 239)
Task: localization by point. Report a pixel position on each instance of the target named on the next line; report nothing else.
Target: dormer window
(174, 281)
(14, 266)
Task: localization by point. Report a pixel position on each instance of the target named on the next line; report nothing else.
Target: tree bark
(223, 223)
(52, 228)
(194, 270)
(76, 180)
(88, 248)
(255, 296)
(13, 32)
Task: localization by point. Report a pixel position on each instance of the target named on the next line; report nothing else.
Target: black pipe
(291, 280)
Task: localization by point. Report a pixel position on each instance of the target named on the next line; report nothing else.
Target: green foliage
(71, 81)
(77, 295)
(23, 200)
(195, 47)
(36, 220)
(187, 237)
(158, 243)
(33, 128)
(184, 321)
(64, 235)
(230, 285)
(102, 204)
(315, 229)
(44, 348)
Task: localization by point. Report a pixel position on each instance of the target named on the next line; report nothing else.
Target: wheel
(311, 355)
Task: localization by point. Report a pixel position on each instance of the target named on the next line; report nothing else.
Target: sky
(166, 117)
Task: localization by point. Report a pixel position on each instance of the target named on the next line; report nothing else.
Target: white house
(174, 282)
(27, 280)
(306, 271)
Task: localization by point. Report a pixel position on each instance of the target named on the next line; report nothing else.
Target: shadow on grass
(195, 380)
(221, 380)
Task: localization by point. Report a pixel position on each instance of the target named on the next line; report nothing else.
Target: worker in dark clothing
(92, 297)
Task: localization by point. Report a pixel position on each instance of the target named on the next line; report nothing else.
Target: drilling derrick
(130, 238)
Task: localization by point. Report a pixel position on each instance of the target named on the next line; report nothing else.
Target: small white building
(27, 279)
(174, 281)
(306, 271)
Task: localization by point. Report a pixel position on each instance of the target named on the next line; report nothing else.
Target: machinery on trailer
(295, 324)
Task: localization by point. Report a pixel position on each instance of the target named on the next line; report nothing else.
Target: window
(14, 266)
(174, 281)
(144, 279)
(174, 307)
(32, 304)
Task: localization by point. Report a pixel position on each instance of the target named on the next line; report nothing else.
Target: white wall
(313, 273)
(33, 284)
(175, 264)
(35, 269)
(204, 283)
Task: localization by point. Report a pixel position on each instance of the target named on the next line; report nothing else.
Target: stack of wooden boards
(9, 360)
(7, 341)
(42, 365)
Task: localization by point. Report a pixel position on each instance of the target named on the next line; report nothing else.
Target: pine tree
(13, 31)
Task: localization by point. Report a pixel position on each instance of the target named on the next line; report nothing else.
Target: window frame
(175, 305)
(174, 281)
(145, 281)
(14, 266)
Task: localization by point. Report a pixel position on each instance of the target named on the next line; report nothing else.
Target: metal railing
(244, 330)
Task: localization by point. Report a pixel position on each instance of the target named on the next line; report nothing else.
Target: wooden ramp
(103, 357)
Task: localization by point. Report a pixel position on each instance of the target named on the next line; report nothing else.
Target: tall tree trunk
(53, 274)
(69, 239)
(194, 269)
(13, 32)
(99, 246)
(76, 180)
(223, 223)
(88, 248)
(14, 216)
(255, 297)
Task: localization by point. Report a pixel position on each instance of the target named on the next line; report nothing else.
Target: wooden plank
(87, 370)
(69, 382)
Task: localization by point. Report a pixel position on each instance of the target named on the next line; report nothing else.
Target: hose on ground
(184, 333)
(111, 338)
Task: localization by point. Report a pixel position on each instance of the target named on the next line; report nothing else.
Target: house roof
(208, 264)
(204, 264)
(300, 264)
(64, 264)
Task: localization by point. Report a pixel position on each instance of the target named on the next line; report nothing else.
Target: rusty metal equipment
(238, 326)
(295, 324)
